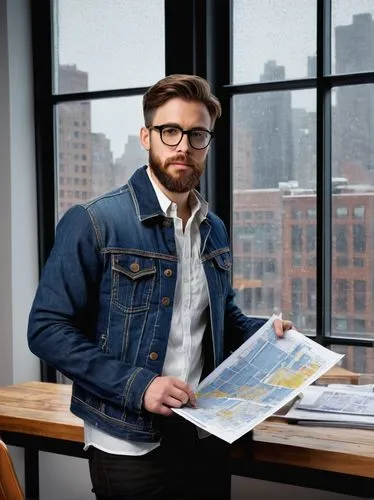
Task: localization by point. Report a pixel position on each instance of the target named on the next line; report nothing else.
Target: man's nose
(184, 145)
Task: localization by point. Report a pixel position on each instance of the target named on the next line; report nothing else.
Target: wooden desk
(339, 375)
(36, 416)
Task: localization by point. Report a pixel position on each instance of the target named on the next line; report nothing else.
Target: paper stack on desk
(335, 405)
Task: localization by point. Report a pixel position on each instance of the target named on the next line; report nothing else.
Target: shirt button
(153, 356)
(165, 301)
(168, 273)
(134, 267)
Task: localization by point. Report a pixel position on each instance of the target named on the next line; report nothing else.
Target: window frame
(204, 42)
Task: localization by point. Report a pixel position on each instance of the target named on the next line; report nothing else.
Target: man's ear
(145, 138)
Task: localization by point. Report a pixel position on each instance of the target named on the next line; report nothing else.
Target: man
(135, 305)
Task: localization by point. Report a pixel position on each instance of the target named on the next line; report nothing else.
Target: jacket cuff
(136, 387)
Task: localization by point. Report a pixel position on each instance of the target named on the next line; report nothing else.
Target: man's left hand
(281, 326)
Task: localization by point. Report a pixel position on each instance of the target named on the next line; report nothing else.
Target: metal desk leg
(31, 473)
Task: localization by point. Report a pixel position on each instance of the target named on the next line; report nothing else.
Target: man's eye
(198, 134)
(171, 132)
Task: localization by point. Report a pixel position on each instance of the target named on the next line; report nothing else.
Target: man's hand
(281, 326)
(165, 393)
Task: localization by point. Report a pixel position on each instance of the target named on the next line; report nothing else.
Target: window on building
(359, 238)
(341, 212)
(296, 238)
(359, 212)
(341, 238)
(359, 295)
(341, 295)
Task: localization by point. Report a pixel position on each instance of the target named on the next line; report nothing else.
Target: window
(297, 290)
(341, 212)
(359, 295)
(280, 102)
(311, 213)
(359, 212)
(341, 295)
(296, 238)
(341, 239)
(311, 238)
(311, 293)
(342, 261)
(359, 238)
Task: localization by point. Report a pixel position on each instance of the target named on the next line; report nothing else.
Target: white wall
(62, 478)
(18, 243)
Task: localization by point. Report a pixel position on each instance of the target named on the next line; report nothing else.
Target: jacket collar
(143, 195)
(145, 198)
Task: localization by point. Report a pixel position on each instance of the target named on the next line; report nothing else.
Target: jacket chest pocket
(133, 282)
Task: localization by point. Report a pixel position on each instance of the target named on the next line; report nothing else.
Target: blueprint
(260, 377)
(329, 400)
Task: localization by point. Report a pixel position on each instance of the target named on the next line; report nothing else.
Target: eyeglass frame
(187, 132)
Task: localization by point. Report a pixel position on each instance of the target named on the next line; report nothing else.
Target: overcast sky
(120, 43)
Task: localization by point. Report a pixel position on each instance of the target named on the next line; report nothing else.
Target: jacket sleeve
(62, 321)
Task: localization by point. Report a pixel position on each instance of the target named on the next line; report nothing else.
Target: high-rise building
(312, 66)
(74, 147)
(270, 119)
(304, 147)
(242, 144)
(353, 130)
(102, 165)
(134, 156)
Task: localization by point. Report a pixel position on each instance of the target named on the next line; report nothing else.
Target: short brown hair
(187, 87)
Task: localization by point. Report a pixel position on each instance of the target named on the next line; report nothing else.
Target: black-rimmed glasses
(171, 135)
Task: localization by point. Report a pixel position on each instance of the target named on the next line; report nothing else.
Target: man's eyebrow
(171, 124)
(198, 127)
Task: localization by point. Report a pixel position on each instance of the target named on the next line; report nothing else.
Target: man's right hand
(167, 392)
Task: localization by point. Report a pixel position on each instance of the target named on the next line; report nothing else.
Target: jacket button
(134, 267)
(153, 356)
(165, 301)
(168, 273)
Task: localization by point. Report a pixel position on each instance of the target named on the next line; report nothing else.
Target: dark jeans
(183, 467)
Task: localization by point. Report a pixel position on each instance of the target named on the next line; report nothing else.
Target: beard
(179, 182)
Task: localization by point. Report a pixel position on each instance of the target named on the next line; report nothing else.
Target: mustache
(186, 160)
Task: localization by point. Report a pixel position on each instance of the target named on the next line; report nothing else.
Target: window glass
(358, 359)
(96, 154)
(116, 44)
(353, 202)
(352, 36)
(273, 40)
(274, 178)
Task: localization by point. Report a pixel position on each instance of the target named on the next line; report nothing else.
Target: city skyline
(115, 58)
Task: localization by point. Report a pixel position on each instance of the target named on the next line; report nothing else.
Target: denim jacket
(103, 307)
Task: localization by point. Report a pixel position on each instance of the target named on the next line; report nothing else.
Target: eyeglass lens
(199, 139)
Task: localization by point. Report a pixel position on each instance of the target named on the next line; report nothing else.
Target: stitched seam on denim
(128, 386)
(118, 192)
(134, 276)
(215, 253)
(95, 227)
(135, 200)
(126, 308)
(142, 253)
(119, 422)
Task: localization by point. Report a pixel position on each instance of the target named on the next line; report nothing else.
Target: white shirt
(184, 357)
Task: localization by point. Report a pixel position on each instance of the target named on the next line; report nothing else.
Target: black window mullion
(41, 22)
(219, 56)
(179, 36)
(323, 154)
